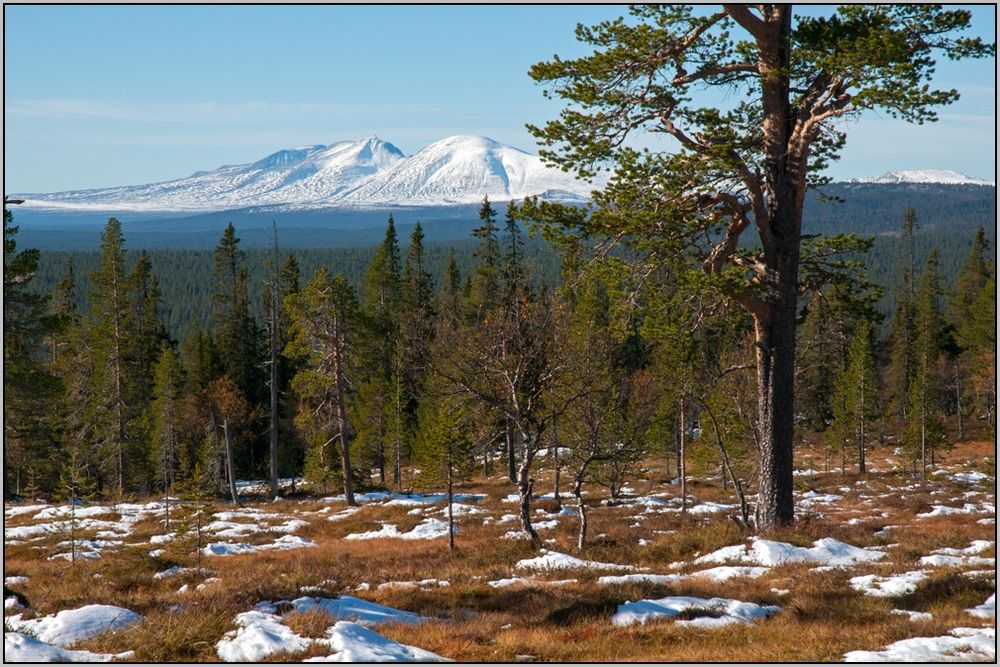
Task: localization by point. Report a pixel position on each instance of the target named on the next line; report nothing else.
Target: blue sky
(104, 96)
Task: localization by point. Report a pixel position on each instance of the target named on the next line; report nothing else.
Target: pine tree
(743, 169)
(232, 416)
(325, 317)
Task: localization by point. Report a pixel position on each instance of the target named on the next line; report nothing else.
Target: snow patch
(552, 560)
(72, 625)
(717, 611)
(768, 553)
(961, 644)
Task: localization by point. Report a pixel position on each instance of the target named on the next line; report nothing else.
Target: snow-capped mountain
(461, 170)
(939, 176)
(356, 174)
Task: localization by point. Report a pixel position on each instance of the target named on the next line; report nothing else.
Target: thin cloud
(190, 112)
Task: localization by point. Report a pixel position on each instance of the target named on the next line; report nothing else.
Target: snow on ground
(961, 644)
(394, 499)
(915, 616)
(18, 510)
(283, 542)
(353, 643)
(18, 647)
(827, 551)
(346, 608)
(940, 560)
(261, 633)
(975, 547)
(726, 572)
(892, 586)
(14, 581)
(711, 508)
(987, 609)
(431, 529)
(73, 625)
(176, 569)
(259, 636)
(967, 508)
(717, 611)
(529, 581)
(552, 560)
(423, 584)
(659, 579)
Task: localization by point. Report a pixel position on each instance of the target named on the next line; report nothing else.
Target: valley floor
(885, 567)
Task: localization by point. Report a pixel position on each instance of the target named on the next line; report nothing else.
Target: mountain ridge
(373, 173)
(369, 172)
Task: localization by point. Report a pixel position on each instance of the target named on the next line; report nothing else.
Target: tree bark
(958, 400)
(524, 488)
(681, 454)
(230, 473)
(556, 464)
(451, 500)
(341, 409)
(511, 459)
(775, 341)
(581, 539)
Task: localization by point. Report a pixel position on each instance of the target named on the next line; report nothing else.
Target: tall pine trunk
(775, 342)
(774, 319)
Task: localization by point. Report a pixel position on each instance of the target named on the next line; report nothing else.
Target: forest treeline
(351, 367)
(186, 282)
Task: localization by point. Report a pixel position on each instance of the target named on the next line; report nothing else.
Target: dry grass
(822, 617)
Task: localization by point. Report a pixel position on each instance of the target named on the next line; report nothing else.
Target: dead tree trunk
(230, 472)
(511, 459)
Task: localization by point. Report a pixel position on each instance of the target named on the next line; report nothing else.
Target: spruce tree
(924, 427)
(972, 278)
(236, 331)
(486, 275)
(111, 330)
(416, 334)
(166, 421)
(901, 364)
(443, 449)
(377, 398)
(29, 388)
(857, 392)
